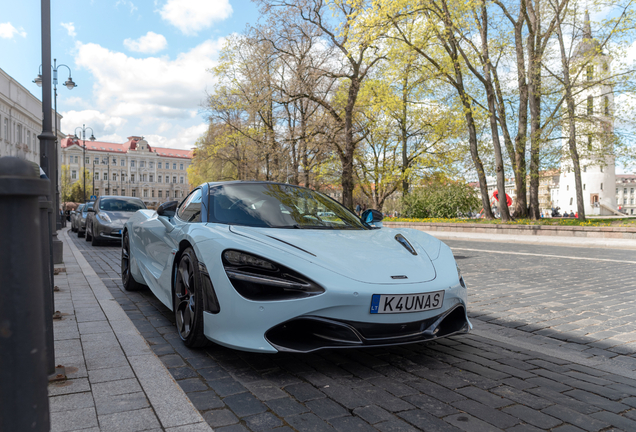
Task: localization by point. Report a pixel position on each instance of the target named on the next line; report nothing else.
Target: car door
(161, 236)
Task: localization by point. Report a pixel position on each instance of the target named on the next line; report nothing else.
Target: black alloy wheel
(127, 279)
(94, 240)
(187, 301)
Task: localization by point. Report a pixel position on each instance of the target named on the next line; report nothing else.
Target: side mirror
(372, 217)
(168, 209)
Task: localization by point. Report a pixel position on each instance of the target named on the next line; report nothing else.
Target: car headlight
(105, 217)
(256, 278)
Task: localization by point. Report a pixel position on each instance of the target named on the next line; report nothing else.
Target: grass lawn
(624, 222)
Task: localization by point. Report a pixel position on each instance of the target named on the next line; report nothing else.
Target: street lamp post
(93, 178)
(70, 84)
(92, 138)
(108, 173)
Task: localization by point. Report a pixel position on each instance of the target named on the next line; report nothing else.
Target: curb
(172, 406)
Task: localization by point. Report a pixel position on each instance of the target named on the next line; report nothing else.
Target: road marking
(545, 255)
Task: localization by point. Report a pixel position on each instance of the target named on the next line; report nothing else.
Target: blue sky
(140, 66)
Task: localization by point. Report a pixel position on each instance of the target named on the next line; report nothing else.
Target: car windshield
(80, 207)
(278, 206)
(87, 206)
(121, 204)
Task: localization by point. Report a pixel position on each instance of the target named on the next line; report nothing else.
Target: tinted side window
(190, 210)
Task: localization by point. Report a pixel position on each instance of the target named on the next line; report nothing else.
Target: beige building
(625, 187)
(134, 168)
(20, 120)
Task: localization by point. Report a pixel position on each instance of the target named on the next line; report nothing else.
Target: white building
(133, 168)
(596, 104)
(625, 186)
(20, 120)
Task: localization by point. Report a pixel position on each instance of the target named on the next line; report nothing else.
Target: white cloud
(70, 28)
(101, 123)
(185, 138)
(191, 16)
(127, 3)
(7, 31)
(150, 43)
(151, 86)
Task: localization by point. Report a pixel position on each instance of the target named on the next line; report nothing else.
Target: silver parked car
(106, 218)
(74, 215)
(81, 219)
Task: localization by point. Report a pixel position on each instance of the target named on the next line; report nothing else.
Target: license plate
(388, 303)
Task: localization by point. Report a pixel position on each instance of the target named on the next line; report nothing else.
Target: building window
(625, 190)
(571, 199)
(174, 179)
(631, 191)
(142, 164)
(123, 162)
(114, 191)
(159, 165)
(87, 161)
(158, 179)
(97, 192)
(19, 137)
(105, 176)
(624, 201)
(132, 178)
(145, 193)
(590, 105)
(28, 138)
(152, 178)
(114, 176)
(181, 179)
(590, 72)
(96, 160)
(631, 201)
(74, 175)
(174, 166)
(123, 192)
(160, 193)
(6, 129)
(96, 176)
(175, 194)
(134, 193)
(106, 191)
(181, 166)
(151, 165)
(152, 193)
(132, 163)
(114, 161)
(181, 194)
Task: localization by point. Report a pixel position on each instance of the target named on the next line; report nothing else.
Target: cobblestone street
(554, 348)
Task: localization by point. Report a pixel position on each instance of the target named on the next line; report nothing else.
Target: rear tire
(127, 279)
(187, 301)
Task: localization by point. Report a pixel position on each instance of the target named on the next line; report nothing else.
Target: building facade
(625, 187)
(134, 168)
(20, 120)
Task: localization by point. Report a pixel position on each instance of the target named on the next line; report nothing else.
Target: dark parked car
(106, 218)
(74, 215)
(81, 219)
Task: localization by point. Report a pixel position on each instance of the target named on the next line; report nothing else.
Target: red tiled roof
(131, 144)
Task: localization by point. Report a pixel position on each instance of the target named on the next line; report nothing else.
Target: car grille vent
(404, 242)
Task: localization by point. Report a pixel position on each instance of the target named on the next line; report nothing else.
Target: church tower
(594, 101)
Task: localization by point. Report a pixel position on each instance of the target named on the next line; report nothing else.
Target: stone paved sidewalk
(478, 382)
(115, 382)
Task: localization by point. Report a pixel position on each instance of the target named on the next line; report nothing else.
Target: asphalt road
(554, 348)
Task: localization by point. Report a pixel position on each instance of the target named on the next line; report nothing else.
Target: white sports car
(270, 267)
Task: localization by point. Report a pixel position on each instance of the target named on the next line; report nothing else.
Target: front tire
(127, 279)
(188, 301)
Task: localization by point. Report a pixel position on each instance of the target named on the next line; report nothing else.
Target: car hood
(371, 256)
(118, 218)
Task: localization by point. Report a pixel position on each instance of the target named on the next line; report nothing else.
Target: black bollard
(24, 404)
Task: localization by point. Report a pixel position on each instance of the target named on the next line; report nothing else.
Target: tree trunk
(534, 99)
(571, 113)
